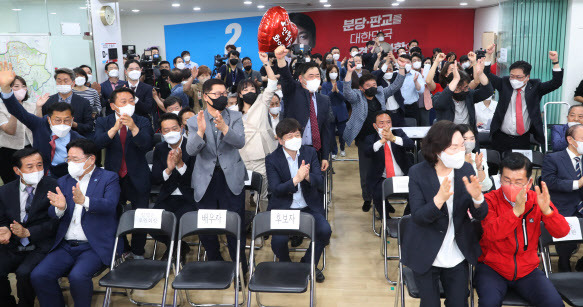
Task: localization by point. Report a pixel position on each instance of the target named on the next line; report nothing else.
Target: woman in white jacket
(258, 132)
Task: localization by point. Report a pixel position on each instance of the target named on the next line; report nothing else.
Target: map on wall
(30, 58)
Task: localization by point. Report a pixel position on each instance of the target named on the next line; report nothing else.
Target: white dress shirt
(391, 103)
(484, 114)
(75, 231)
(298, 199)
(24, 198)
(180, 170)
(449, 254)
(378, 145)
(572, 156)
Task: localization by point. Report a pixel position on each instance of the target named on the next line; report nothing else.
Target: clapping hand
(473, 186)
(201, 123)
(303, 172)
(7, 76)
(479, 159)
(221, 125)
(543, 198)
(19, 230)
(57, 199)
(5, 235)
(443, 194)
(78, 196)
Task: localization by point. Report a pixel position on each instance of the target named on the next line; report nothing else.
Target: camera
(301, 51)
(220, 60)
(147, 62)
(480, 54)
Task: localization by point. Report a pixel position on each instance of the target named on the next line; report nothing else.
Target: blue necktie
(29, 191)
(578, 171)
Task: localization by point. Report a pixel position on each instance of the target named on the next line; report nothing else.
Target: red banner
(448, 29)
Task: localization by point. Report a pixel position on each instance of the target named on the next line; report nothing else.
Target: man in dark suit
(85, 206)
(82, 110)
(562, 174)
(389, 162)
(172, 169)
(50, 134)
(110, 85)
(26, 230)
(303, 103)
(511, 129)
(127, 137)
(574, 117)
(145, 105)
(295, 182)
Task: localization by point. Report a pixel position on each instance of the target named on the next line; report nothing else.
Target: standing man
(145, 105)
(111, 84)
(413, 86)
(251, 74)
(230, 73)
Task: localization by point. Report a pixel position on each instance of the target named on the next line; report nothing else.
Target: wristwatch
(555, 63)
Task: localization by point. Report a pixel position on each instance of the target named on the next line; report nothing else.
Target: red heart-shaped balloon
(275, 30)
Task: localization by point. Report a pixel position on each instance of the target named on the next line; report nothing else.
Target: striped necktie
(29, 198)
(578, 171)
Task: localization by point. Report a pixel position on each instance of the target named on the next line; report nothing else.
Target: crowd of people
(79, 157)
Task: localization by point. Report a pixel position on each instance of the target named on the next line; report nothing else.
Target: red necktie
(389, 161)
(53, 146)
(123, 170)
(519, 119)
(314, 126)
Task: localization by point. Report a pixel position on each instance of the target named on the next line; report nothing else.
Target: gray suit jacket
(206, 151)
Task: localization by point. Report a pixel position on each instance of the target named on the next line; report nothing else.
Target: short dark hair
(333, 48)
(436, 50)
(111, 63)
(406, 56)
(450, 54)
(416, 50)
(245, 59)
(438, 139)
(364, 78)
(464, 58)
(183, 53)
(307, 23)
(381, 112)
(128, 62)
(287, 125)
(352, 47)
(176, 75)
(464, 128)
(401, 48)
(235, 53)
(464, 78)
(413, 41)
(525, 66)
(416, 55)
(65, 71)
(370, 43)
(21, 79)
(86, 66)
(515, 161)
(169, 116)
(571, 131)
(59, 107)
(21, 154)
(114, 94)
(329, 69)
(304, 67)
(171, 100)
(87, 146)
(380, 32)
(208, 84)
(154, 48)
(183, 111)
(317, 56)
(570, 108)
(176, 59)
(231, 47)
(80, 71)
(164, 62)
(243, 84)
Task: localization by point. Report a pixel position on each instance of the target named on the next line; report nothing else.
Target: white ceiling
(186, 6)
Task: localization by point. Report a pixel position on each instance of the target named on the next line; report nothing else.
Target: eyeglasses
(518, 184)
(59, 121)
(75, 159)
(519, 78)
(217, 94)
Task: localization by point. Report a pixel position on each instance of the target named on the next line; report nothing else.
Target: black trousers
(21, 263)
(398, 118)
(503, 142)
(139, 198)
(179, 206)
(6, 172)
(364, 163)
(412, 110)
(454, 281)
(565, 250)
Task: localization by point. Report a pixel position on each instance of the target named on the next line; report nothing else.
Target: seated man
(295, 182)
(172, 170)
(172, 105)
(509, 255)
(562, 173)
(26, 230)
(574, 117)
(389, 162)
(85, 205)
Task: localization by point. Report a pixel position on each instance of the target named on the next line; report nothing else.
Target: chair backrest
(167, 228)
(493, 157)
(262, 226)
(403, 228)
(420, 157)
(150, 157)
(389, 186)
(410, 122)
(537, 157)
(546, 239)
(484, 139)
(189, 225)
(157, 138)
(256, 182)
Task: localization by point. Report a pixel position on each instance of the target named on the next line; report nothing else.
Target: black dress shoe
(320, 276)
(296, 241)
(366, 205)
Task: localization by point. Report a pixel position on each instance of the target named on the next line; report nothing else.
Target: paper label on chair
(484, 152)
(525, 152)
(401, 184)
(148, 218)
(249, 177)
(212, 218)
(285, 219)
(574, 233)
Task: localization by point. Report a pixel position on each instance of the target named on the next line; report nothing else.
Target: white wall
(572, 61)
(485, 20)
(105, 34)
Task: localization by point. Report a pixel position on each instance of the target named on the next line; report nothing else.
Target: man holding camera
(230, 73)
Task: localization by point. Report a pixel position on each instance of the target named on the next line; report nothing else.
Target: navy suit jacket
(558, 173)
(175, 181)
(281, 186)
(136, 148)
(145, 107)
(41, 133)
(427, 231)
(106, 91)
(377, 167)
(558, 137)
(41, 227)
(81, 112)
(297, 105)
(99, 223)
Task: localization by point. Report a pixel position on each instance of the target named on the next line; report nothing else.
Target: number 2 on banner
(236, 29)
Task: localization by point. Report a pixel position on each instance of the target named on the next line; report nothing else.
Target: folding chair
(255, 185)
(493, 159)
(545, 124)
(157, 138)
(484, 139)
(209, 275)
(141, 274)
(568, 284)
(389, 229)
(537, 157)
(154, 192)
(281, 277)
(410, 122)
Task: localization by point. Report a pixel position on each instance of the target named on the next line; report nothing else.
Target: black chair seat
(141, 274)
(512, 298)
(569, 286)
(280, 277)
(392, 227)
(210, 275)
(412, 286)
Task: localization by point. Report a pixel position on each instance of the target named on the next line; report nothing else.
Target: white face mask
(175, 112)
(579, 147)
(135, 74)
(76, 169)
(64, 88)
(234, 108)
(32, 178)
(180, 65)
(407, 67)
(359, 66)
(274, 110)
(113, 73)
(336, 56)
(381, 38)
(293, 144)
(453, 161)
(417, 65)
(80, 81)
(426, 67)
(172, 137)
(313, 85)
(333, 75)
(388, 75)
(571, 124)
(128, 109)
(60, 130)
(89, 78)
(465, 65)
(186, 58)
(353, 53)
(516, 84)
(307, 60)
(469, 146)
(20, 94)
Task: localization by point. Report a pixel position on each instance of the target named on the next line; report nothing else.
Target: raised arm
(496, 81)
(431, 75)
(557, 80)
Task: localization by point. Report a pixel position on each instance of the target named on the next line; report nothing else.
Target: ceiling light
(323, 1)
(395, 4)
(53, 13)
(261, 6)
(400, 0)
(16, 10)
(463, 3)
(176, 4)
(196, 8)
(327, 5)
(247, 2)
(135, 11)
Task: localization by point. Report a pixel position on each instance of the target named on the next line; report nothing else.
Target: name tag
(285, 219)
(484, 152)
(526, 153)
(249, 177)
(496, 179)
(574, 232)
(148, 218)
(401, 184)
(212, 218)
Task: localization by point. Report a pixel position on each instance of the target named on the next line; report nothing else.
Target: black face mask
(461, 96)
(220, 103)
(371, 91)
(234, 61)
(247, 68)
(250, 98)
(330, 61)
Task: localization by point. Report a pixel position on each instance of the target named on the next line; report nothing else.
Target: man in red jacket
(511, 232)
